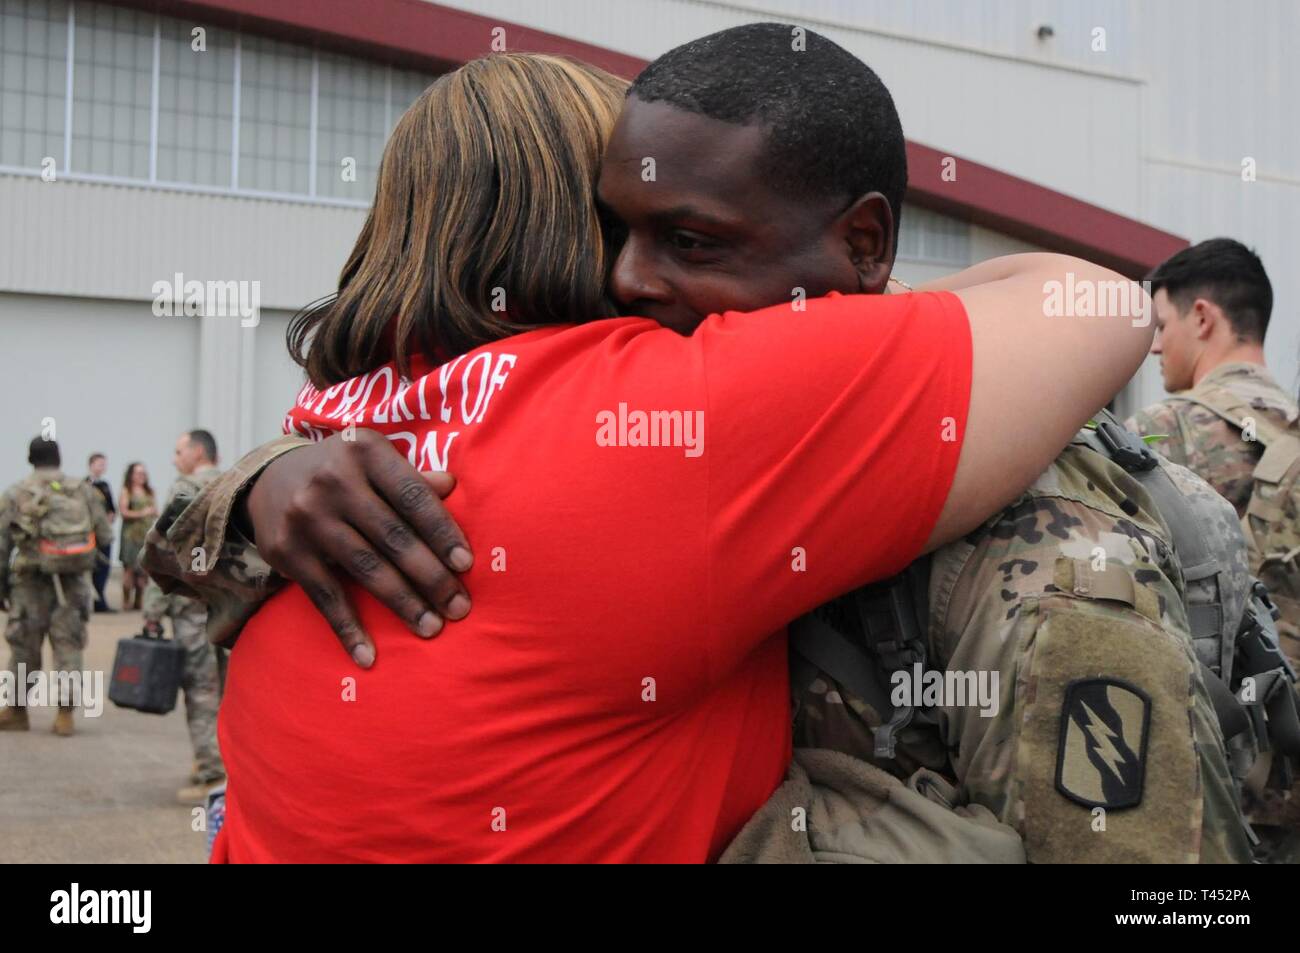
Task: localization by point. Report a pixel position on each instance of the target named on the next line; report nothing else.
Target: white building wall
(116, 241)
(113, 378)
(108, 245)
(107, 374)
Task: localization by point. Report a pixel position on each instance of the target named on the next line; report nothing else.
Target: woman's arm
(1041, 367)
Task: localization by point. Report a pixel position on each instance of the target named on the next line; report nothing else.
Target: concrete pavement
(107, 794)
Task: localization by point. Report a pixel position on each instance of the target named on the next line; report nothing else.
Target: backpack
(862, 638)
(1272, 520)
(62, 526)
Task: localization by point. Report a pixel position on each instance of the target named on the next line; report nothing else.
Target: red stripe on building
(427, 36)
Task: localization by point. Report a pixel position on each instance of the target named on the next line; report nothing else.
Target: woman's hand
(358, 504)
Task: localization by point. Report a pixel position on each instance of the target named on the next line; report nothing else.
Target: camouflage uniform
(204, 673)
(1213, 449)
(196, 550)
(35, 606)
(1216, 450)
(1076, 581)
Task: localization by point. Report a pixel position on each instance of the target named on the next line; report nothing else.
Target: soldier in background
(204, 673)
(97, 465)
(1212, 304)
(55, 525)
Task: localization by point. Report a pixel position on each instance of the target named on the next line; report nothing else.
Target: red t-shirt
(647, 511)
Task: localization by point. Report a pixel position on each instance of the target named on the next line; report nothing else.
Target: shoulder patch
(1101, 756)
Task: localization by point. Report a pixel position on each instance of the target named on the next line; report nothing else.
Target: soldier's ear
(1206, 314)
(867, 228)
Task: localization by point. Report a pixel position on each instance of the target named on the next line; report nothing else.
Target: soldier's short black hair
(832, 128)
(1226, 272)
(95, 456)
(43, 453)
(205, 440)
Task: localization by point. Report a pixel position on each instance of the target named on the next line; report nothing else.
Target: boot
(63, 724)
(198, 793)
(14, 719)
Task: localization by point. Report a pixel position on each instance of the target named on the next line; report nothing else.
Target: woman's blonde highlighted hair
(484, 222)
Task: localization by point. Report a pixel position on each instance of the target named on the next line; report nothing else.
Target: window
(151, 101)
(196, 91)
(274, 116)
(407, 86)
(33, 81)
(926, 236)
(350, 110)
(112, 91)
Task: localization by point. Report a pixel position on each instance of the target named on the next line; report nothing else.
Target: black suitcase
(147, 674)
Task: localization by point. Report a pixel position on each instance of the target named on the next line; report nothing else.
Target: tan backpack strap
(1234, 410)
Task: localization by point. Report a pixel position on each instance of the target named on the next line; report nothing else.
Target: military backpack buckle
(1125, 447)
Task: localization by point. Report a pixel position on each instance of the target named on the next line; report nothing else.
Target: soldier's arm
(154, 606)
(196, 549)
(1100, 746)
(98, 514)
(6, 545)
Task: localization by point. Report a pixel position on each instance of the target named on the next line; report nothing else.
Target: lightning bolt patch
(1101, 757)
(1101, 738)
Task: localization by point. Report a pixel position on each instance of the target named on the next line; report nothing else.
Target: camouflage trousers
(35, 612)
(201, 681)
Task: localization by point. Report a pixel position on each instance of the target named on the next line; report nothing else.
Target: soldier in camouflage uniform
(1212, 304)
(1074, 596)
(39, 604)
(203, 674)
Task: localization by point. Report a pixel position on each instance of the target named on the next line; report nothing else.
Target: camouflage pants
(201, 682)
(35, 612)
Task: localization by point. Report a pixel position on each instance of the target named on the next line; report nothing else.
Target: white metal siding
(115, 241)
(114, 378)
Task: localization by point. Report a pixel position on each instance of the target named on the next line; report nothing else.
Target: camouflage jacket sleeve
(6, 541)
(99, 515)
(157, 602)
(1102, 744)
(196, 550)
